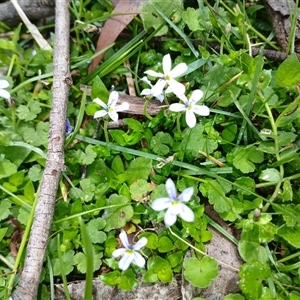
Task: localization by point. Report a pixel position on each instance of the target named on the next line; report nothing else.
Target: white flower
(168, 77)
(191, 108)
(150, 92)
(3, 93)
(129, 253)
(175, 205)
(110, 108)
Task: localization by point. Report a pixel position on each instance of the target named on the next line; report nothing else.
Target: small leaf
(200, 273)
(290, 234)
(270, 175)
(165, 245)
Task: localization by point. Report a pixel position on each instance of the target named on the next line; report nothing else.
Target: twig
(29, 281)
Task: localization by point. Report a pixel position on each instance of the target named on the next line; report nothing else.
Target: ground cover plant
(132, 197)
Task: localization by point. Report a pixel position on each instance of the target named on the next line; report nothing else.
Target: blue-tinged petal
(161, 204)
(122, 107)
(186, 195)
(171, 189)
(184, 99)
(177, 107)
(178, 70)
(146, 80)
(124, 239)
(187, 214)
(167, 64)
(177, 88)
(4, 94)
(160, 97)
(169, 219)
(138, 260)
(100, 102)
(119, 252)
(190, 118)
(126, 260)
(201, 110)
(4, 84)
(196, 96)
(113, 99)
(158, 87)
(100, 114)
(113, 115)
(146, 92)
(154, 74)
(140, 244)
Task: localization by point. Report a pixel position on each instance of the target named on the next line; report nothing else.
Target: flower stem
(145, 109)
(105, 131)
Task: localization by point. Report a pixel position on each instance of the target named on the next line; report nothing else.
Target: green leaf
(80, 260)
(286, 138)
(175, 258)
(117, 165)
(35, 173)
(67, 258)
(229, 133)
(287, 193)
(150, 276)
(139, 168)
(152, 239)
(288, 73)
(247, 185)
(191, 18)
(112, 278)
(252, 275)
(30, 111)
(99, 90)
(160, 142)
(200, 273)
(93, 228)
(7, 168)
(234, 297)
(270, 175)
(128, 281)
(5, 209)
(140, 189)
(117, 217)
(165, 245)
(290, 234)
(36, 137)
(133, 124)
(3, 232)
(244, 157)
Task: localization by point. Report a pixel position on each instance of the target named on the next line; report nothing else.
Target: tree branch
(29, 282)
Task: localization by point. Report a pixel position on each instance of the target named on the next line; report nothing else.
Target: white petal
(124, 239)
(158, 87)
(184, 99)
(167, 64)
(177, 107)
(186, 195)
(201, 110)
(4, 94)
(161, 204)
(138, 260)
(190, 118)
(170, 219)
(4, 84)
(125, 261)
(146, 92)
(154, 74)
(160, 97)
(177, 88)
(171, 189)
(122, 107)
(100, 102)
(113, 115)
(187, 214)
(113, 99)
(100, 114)
(140, 244)
(196, 96)
(119, 252)
(146, 80)
(178, 70)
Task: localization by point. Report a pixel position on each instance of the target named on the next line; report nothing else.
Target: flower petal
(175, 208)
(177, 88)
(186, 195)
(124, 239)
(146, 80)
(138, 260)
(171, 189)
(4, 84)
(113, 115)
(154, 74)
(169, 219)
(201, 110)
(160, 97)
(100, 114)
(187, 214)
(161, 204)
(113, 99)
(177, 107)
(101, 103)
(196, 96)
(4, 94)
(122, 107)
(146, 92)
(125, 261)
(140, 244)
(178, 70)
(119, 252)
(158, 87)
(190, 118)
(167, 64)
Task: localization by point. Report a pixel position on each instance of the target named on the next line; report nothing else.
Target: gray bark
(34, 10)
(30, 277)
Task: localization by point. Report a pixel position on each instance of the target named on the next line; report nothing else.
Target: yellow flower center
(168, 77)
(128, 251)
